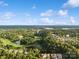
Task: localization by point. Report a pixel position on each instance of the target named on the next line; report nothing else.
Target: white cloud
(6, 16)
(63, 12)
(47, 13)
(71, 4)
(60, 23)
(34, 6)
(27, 15)
(32, 21)
(3, 4)
(36, 21)
(46, 21)
(72, 20)
(29, 20)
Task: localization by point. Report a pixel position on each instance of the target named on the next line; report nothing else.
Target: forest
(39, 43)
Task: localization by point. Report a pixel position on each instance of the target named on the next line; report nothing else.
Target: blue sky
(39, 12)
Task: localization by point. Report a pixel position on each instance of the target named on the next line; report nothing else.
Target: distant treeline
(39, 26)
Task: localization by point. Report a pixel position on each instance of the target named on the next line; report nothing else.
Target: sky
(39, 12)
